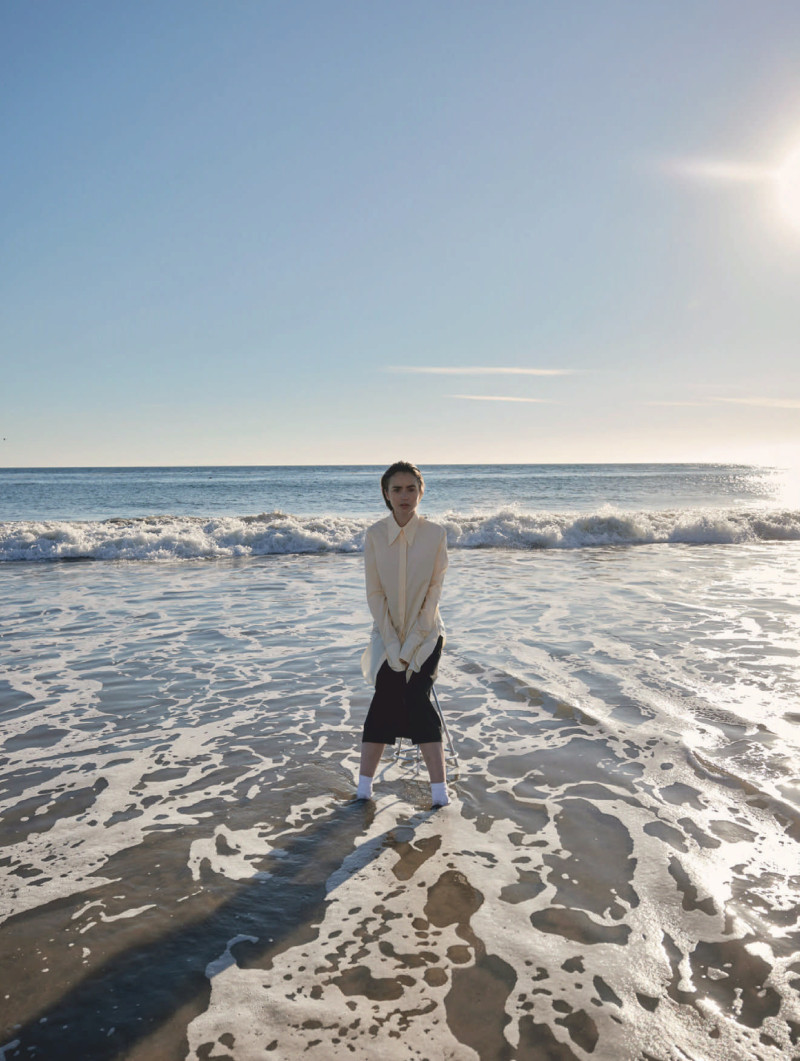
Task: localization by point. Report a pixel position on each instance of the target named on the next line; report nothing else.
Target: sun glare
(782, 181)
(788, 487)
(787, 180)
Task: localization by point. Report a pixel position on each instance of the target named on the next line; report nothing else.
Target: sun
(787, 180)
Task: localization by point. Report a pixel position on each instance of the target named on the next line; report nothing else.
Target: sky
(253, 232)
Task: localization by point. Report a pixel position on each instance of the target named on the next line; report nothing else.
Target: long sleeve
(379, 607)
(426, 619)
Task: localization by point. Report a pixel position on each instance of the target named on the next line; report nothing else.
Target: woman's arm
(427, 613)
(379, 607)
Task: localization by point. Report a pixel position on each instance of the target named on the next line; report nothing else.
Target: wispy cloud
(480, 370)
(498, 398)
(682, 405)
(782, 179)
(763, 403)
(720, 171)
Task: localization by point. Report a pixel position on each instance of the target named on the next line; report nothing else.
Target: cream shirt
(404, 569)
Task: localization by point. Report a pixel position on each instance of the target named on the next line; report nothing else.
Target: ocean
(185, 874)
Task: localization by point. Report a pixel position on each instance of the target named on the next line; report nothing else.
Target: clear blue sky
(228, 225)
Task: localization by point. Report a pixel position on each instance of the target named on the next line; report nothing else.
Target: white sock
(439, 793)
(364, 787)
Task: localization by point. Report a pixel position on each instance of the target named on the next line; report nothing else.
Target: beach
(256, 256)
(186, 874)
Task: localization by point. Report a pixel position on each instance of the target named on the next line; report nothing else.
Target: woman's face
(404, 495)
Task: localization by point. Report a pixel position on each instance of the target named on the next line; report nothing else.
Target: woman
(405, 558)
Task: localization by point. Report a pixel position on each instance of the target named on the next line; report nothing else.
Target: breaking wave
(278, 533)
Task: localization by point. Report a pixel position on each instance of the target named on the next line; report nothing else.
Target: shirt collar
(409, 530)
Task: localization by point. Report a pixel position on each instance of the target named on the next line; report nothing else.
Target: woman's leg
(433, 754)
(427, 723)
(370, 757)
(379, 723)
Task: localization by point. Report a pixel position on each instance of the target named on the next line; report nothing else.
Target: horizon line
(429, 464)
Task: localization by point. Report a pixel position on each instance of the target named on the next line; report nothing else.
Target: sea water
(186, 513)
(185, 874)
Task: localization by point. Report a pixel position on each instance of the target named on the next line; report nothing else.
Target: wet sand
(186, 875)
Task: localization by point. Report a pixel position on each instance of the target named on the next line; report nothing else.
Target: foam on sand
(616, 877)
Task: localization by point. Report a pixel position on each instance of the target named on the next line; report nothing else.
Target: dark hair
(400, 466)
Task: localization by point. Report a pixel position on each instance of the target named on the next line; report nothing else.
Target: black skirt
(403, 708)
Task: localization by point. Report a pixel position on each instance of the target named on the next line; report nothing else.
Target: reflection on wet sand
(192, 879)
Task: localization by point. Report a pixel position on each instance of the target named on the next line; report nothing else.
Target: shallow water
(185, 874)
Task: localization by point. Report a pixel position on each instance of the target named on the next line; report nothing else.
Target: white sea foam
(624, 826)
(277, 533)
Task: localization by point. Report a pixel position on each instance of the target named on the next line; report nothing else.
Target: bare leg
(370, 757)
(433, 754)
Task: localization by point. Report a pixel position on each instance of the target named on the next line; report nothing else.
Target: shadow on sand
(133, 995)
